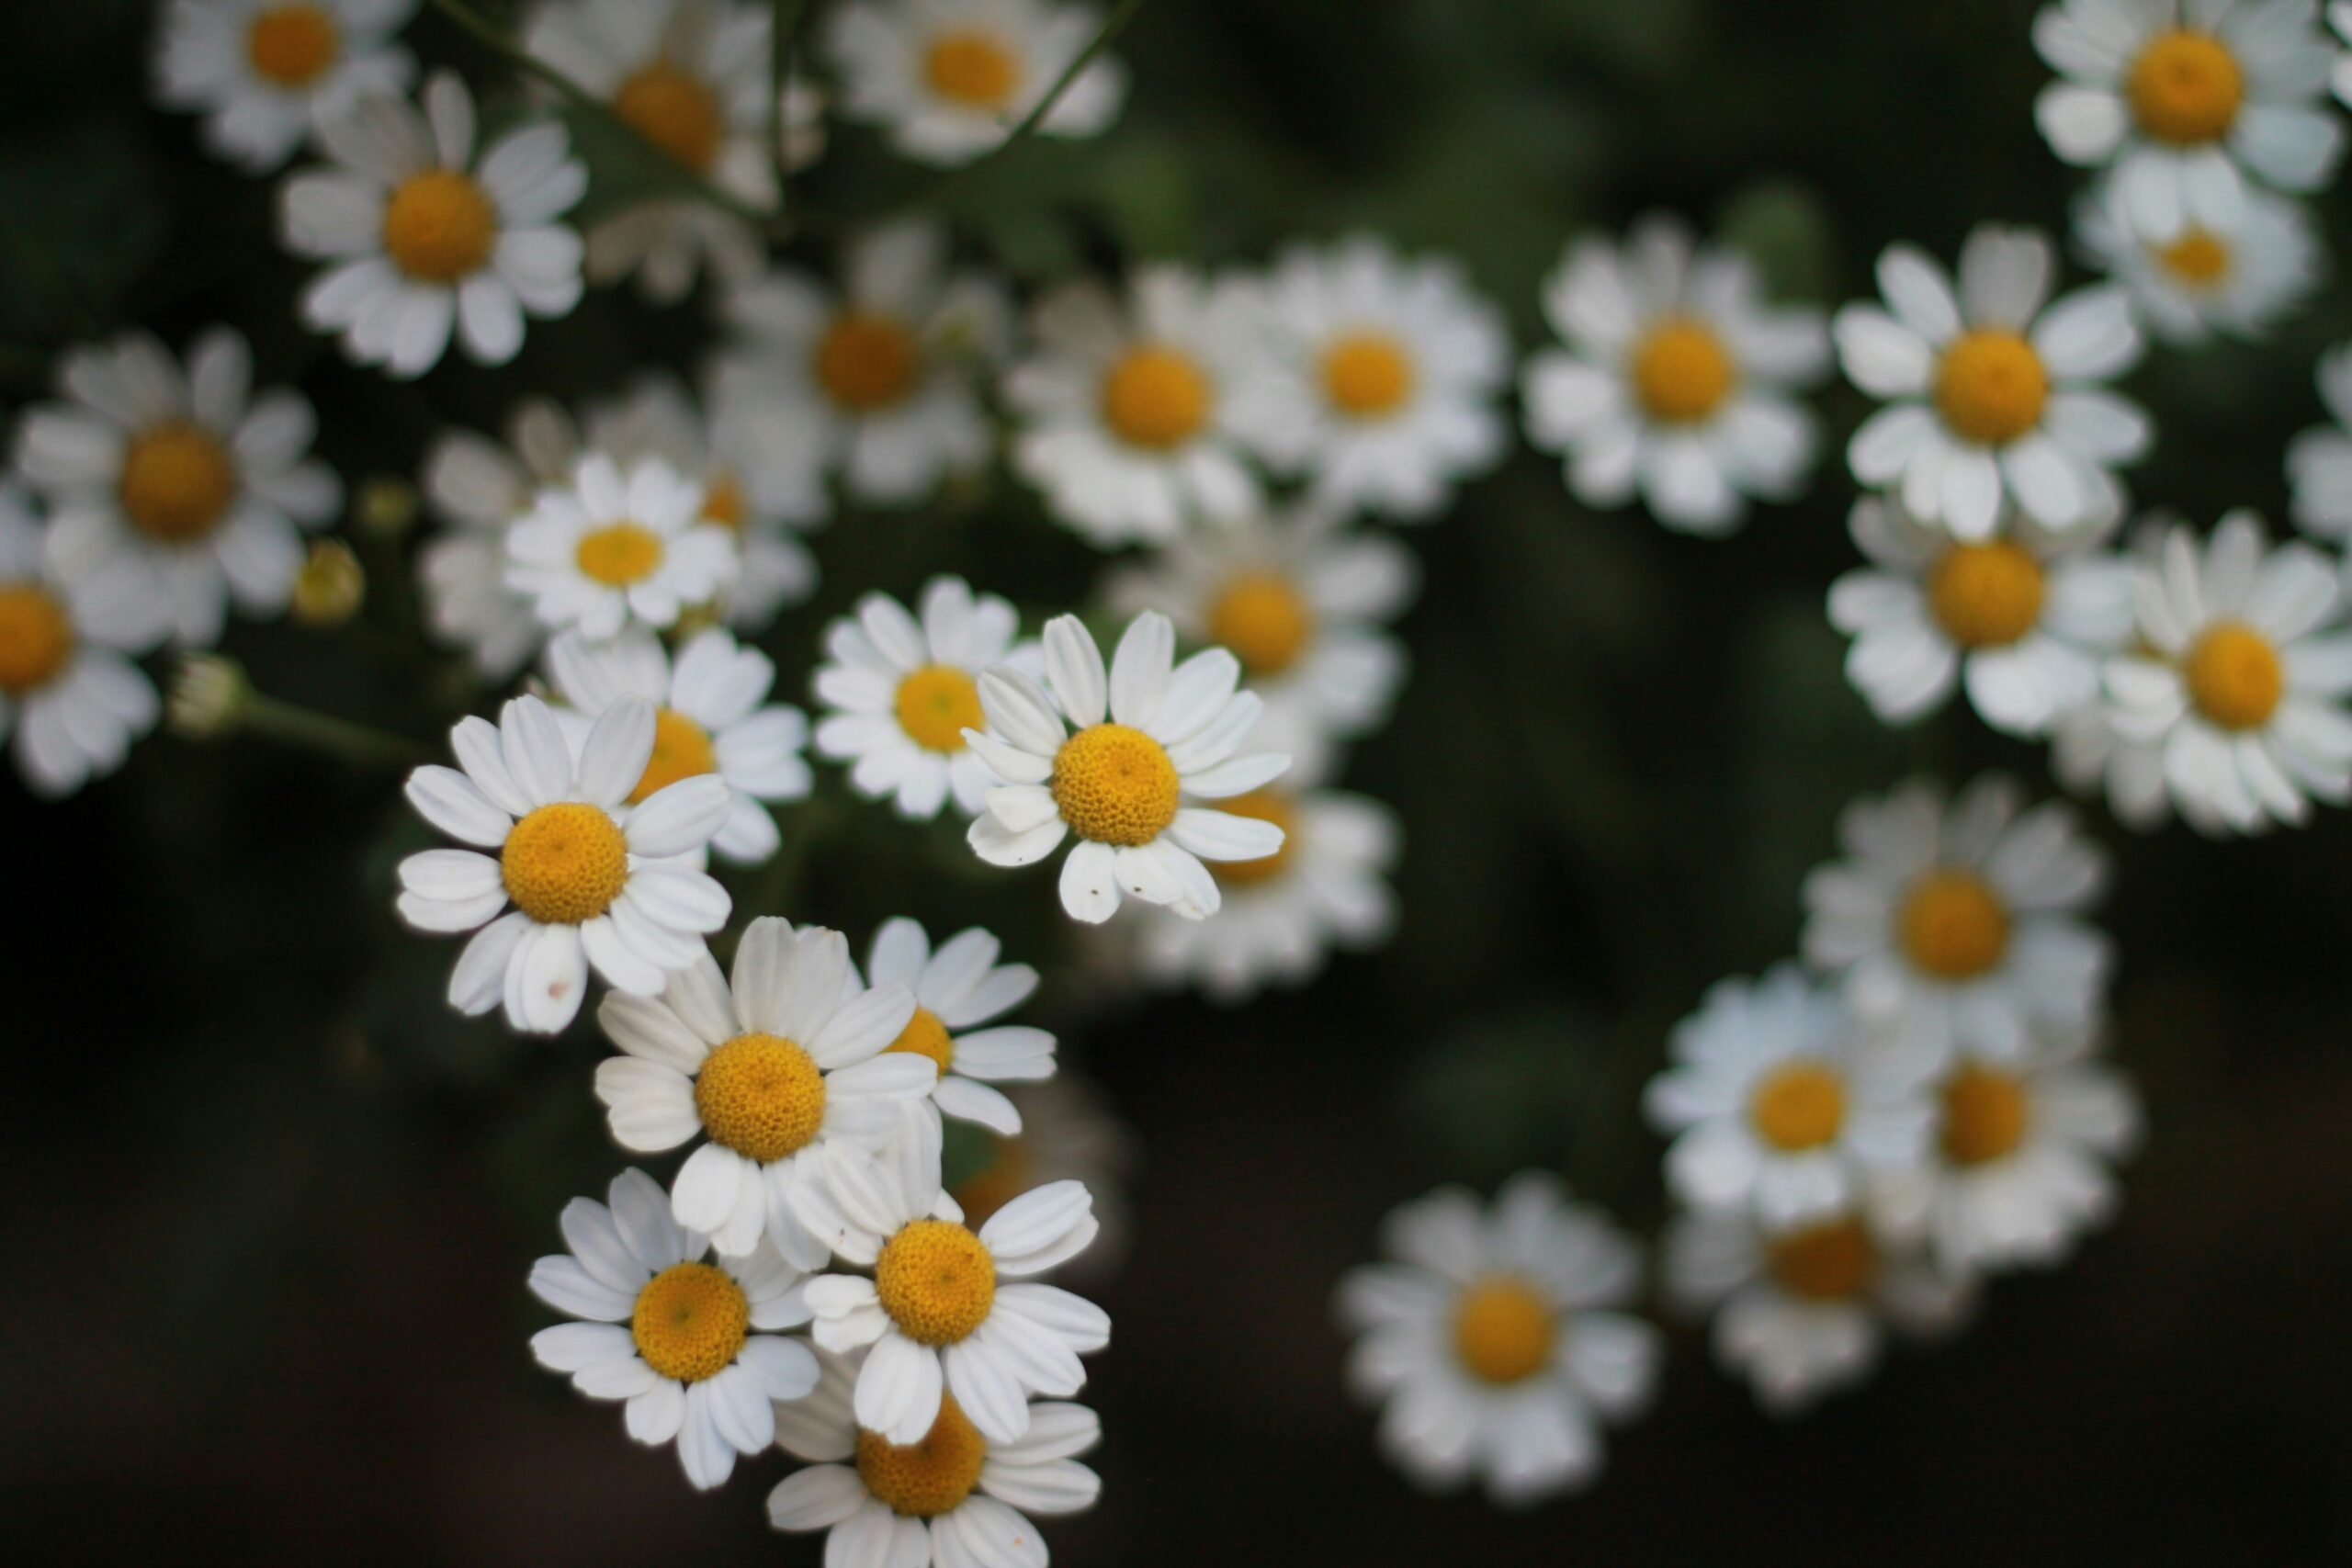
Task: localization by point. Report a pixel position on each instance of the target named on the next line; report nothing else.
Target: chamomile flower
(1677, 381)
(424, 238)
(2319, 461)
(2236, 282)
(956, 989)
(1152, 737)
(1778, 1104)
(689, 1344)
(477, 488)
(186, 475)
(1498, 1339)
(711, 715)
(1069, 1132)
(586, 887)
(786, 1076)
(1135, 414)
(2188, 101)
(2023, 619)
(1962, 924)
(947, 79)
(618, 547)
(1989, 394)
(266, 74)
(954, 1499)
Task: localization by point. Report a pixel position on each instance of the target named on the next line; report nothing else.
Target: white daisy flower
(267, 74)
(2319, 461)
(2024, 619)
(1990, 394)
(878, 383)
(585, 886)
(617, 547)
(689, 1344)
(477, 488)
(947, 79)
(1962, 924)
(1498, 1339)
(1803, 1312)
(956, 989)
(954, 1499)
(1678, 380)
(784, 1073)
(1136, 416)
(2236, 282)
(1069, 1132)
(2187, 100)
(1148, 741)
(2236, 694)
(426, 238)
(711, 715)
(186, 475)
(1778, 1104)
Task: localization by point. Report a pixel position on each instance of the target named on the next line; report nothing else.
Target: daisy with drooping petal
(427, 238)
(2237, 282)
(689, 1344)
(947, 79)
(267, 74)
(477, 488)
(1498, 1339)
(1990, 395)
(956, 989)
(1069, 1132)
(616, 546)
(2319, 460)
(585, 887)
(2190, 101)
(1148, 739)
(1677, 381)
(188, 475)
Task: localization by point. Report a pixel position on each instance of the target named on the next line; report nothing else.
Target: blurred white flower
(2237, 281)
(267, 74)
(947, 79)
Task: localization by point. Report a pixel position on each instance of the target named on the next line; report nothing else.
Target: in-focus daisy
(616, 546)
(1778, 1104)
(186, 475)
(689, 1344)
(1498, 1339)
(2237, 281)
(1136, 415)
(2237, 689)
(585, 887)
(947, 79)
(2319, 461)
(1989, 394)
(956, 989)
(2189, 99)
(1677, 381)
(426, 238)
(1150, 738)
(1069, 1132)
(266, 74)
(2024, 619)
(780, 1070)
(478, 488)
(954, 1499)
(1962, 924)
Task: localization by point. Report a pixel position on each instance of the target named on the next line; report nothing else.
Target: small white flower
(2237, 281)
(2319, 461)
(956, 989)
(617, 547)
(267, 74)
(477, 488)
(948, 80)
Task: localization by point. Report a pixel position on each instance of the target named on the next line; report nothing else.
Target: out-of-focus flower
(267, 74)
(73, 700)
(947, 79)
(617, 547)
(2237, 281)
(331, 586)
(478, 488)
(208, 696)
(2319, 461)
(1069, 1132)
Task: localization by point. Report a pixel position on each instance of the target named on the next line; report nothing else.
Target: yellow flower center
(936, 705)
(1264, 620)
(677, 111)
(1799, 1105)
(925, 1036)
(564, 863)
(724, 503)
(177, 482)
(1114, 786)
(1681, 371)
(761, 1095)
(924, 1479)
(1954, 926)
(1007, 1177)
(690, 1322)
(1262, 806)
(2186, 88)
(1990, 386)
(1829, 1262)
(1155, 398)
(439, 226)
(1985, 1115)
(1985, 595)
(867, 362)
(681, 749)
(2234, 676)
(618, 554)
(1367, 375)
(1503, 1330)
(936, 1282)
(972, 69)
(2200, 258)
(291, 45)
(36, 638)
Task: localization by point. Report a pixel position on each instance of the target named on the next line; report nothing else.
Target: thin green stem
(338, 738)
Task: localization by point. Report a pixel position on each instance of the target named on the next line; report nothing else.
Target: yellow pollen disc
(924, 1479)
(936, 705)
(1155, 398)
(1263, 620)
(1681, 372)
(177, 483)
(36, 638)
(2234, 676)
(1114, 786)
(725, 505)
(2186, 88)
(681, 749)
(1368, 376)
(1985, 595)
(761, 1095)
(1953, 926)
(1824, 1263)
(972, 69)
(690, 1322)
(440, 226)
(291, 45)
(1985, 1115)
(2200, 258)
(925, 1036)
(1007, 1177)
(1264, 805)
(867, 362)
(1990, 386)
(564, 863)
(677, 111)
(1503, 1330)
(936, 1282)
(1799, 1105)
(618, 554)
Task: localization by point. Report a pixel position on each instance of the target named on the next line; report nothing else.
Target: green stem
(786, 18)
(337, 737)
